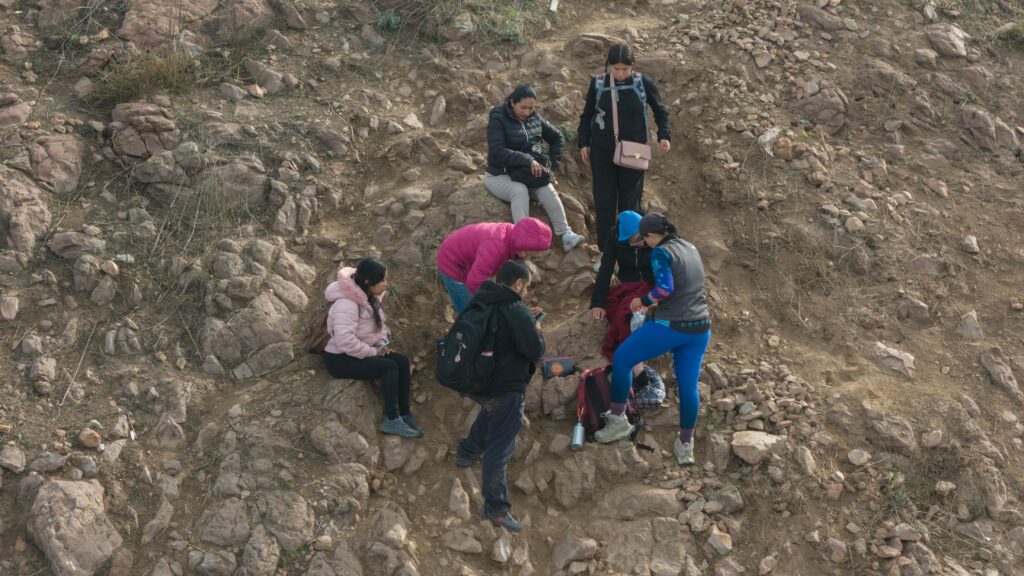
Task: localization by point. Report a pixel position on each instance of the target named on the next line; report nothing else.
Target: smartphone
(539, 316)
(383, 344)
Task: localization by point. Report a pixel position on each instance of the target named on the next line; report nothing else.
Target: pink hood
(350, 320)
(345, 287)
(475, 252)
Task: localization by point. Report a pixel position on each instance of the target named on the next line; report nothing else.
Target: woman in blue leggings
(677, 322)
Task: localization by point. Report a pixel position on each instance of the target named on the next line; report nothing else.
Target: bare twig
(79, 367)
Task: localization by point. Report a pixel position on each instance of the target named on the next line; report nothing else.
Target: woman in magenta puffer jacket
(358, 347)
(474, 253)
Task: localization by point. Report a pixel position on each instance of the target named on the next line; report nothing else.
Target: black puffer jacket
(596, 120)
(634, 265)
(518, 345)
(510, 139)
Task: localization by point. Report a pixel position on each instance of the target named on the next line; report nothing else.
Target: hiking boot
(411, 423)
(684, 453)
(464, 461)
(505, 520)
(615, 428)
(398, 427)
(570, 240)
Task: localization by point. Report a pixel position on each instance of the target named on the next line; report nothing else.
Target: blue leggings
(650, 341)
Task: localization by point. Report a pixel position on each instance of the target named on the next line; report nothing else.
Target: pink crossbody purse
(628, 154)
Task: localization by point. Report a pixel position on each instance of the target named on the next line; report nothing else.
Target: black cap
(653, 222)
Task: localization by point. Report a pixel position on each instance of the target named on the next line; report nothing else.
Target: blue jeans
(650, 341)
(457, 291)
(493, 434)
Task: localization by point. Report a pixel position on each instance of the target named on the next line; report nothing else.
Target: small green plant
(288, 558)
(388, 20)
(568, 131)
(1013, 36)
(505, 24)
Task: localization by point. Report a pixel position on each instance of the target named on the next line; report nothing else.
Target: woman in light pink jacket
(358, 347)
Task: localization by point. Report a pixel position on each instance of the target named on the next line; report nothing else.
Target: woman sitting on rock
(677, 321)
(515, 136)
(475, 252)
(358, 346)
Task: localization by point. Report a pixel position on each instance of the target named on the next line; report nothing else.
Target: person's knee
(517, 190)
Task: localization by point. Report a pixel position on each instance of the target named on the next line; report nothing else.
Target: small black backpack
(465, 358)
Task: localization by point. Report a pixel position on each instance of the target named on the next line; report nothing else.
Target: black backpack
(465, 358)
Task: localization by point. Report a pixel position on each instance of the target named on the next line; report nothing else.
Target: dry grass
(495, 22)
(146, 73)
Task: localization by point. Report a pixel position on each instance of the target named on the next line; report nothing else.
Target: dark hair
(371, 272)
(619, 54)
(521, 92)
(512, 271)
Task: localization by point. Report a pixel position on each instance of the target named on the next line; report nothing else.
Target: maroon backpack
(594, 397)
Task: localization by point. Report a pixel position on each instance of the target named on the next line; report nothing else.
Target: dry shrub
(1012, 36)
(146, 73)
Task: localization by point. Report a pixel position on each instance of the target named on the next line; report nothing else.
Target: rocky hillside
(179, 179)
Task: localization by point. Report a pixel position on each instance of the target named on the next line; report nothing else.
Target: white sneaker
(684, 453)
(615, 428)
(570, 240)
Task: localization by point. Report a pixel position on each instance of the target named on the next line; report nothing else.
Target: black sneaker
(504, 519)
(463, 461)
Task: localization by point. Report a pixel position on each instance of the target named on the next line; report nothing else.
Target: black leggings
(616, 189)
(392, 370)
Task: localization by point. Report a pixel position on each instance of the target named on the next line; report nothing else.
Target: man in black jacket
(518, 346)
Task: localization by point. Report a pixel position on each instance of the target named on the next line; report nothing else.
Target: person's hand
(554, 183)
(665, 145)
(383, 351)
(536, 169)
(599, 313)
(636, 304)
(585, 155)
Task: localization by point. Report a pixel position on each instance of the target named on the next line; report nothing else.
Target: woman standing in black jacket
(515, 131)
(616, 188)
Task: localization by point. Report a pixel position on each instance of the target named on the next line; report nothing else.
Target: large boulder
(753, 446)
(57, 161)
(140, 130)
(22, 210)
(948, 40)
(150, 23)
(69, 524)
(242, 182)
(826, 109)
(288, 517)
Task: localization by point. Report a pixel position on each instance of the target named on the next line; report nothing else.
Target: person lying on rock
(517, 164)
(518, 346)
(358, 346)
(625, 255)
(677, 321)
(473, 253)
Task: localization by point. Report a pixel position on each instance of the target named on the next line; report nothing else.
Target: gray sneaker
(398, 427)
(570, 240)
(411, 423)
(615, 428)
(684, 453)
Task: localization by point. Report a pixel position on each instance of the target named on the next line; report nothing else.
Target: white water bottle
(637, 320)
(579, 435)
